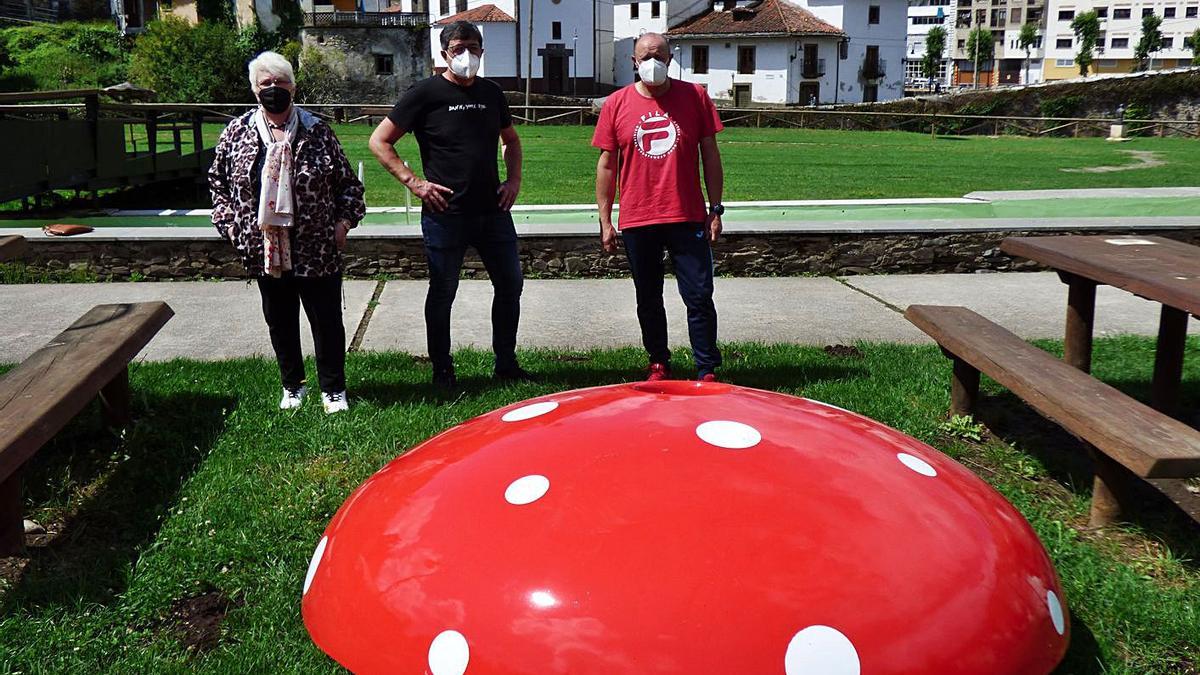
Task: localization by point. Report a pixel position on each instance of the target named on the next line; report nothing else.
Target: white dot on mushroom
(916, 464)
(449, 654)
(1056, 612)
(314, 564)
(526, 490)
(727, 434)
(821, 649)
(529, 411)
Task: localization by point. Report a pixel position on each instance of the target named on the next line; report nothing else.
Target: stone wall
(344, 72)
(748, 255)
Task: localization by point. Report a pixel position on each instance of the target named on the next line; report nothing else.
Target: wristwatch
(717, 209)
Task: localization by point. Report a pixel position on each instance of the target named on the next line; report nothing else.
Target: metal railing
(364, 19)
(811, 71)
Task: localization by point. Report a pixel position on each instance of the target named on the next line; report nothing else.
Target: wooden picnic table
(11, 246)
(1155, 268)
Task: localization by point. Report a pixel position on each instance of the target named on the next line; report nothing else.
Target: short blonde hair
(271, 63)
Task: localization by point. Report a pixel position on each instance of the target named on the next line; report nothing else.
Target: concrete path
(219, 320)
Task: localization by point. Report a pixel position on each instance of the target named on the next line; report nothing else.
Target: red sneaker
(708, 377)
(659, 371)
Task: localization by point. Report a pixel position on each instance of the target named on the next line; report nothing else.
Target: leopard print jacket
(325, 188)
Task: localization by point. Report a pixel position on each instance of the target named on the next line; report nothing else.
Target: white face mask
(465, 65)
(653, 72)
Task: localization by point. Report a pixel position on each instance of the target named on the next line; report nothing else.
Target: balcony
(364, 19)
(872, 70)
(811, 70)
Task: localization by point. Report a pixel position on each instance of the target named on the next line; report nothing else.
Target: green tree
(192, 64)
(1027, 38)
(980, 48)
(1150, 42)
(1195, 45)
(1087, 31)
(935, 46)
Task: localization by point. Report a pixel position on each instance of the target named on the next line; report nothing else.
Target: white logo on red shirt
(656, 135)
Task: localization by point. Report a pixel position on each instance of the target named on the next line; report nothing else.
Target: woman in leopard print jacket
(285, 196)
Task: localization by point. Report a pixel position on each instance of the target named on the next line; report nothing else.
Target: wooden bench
(11, 247)
(44, 392)
(1124, 435)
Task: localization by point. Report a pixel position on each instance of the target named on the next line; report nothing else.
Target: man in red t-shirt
(655, 133)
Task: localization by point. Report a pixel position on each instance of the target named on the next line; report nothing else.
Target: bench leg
(12, 525)
(1081, 312)
(1112, 491)
(1168, 359)
(964, 388)
(115, 402)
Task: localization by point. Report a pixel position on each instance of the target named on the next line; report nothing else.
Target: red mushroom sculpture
(681, 527)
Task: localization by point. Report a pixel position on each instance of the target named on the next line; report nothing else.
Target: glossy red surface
(680, 527)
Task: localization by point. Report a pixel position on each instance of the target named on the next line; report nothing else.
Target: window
(1190, 12)
(728, 5)
(700, 59)
(1102, 12)
(843, 50)
(1168, 12)
(383, 64)
(746, 60)
(1168, 42)
(811, 66)
(460, 6)
(445, 7)
(1120, 43)
(1064, 63)
(655, 9)
(1187, 44)
(962, 44)
(873, 14)
(555, 30)
(1015, 16)
(1147, 11)
(1121, 13)
(1063, 43)
(1066, 14)
(633, 10)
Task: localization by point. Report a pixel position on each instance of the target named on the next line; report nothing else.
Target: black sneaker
(514, 374)
(445, 379)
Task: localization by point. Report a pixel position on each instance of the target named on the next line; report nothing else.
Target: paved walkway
(220, 320)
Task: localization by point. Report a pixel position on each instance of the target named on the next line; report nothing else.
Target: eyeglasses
(276, 82)
(459, 49)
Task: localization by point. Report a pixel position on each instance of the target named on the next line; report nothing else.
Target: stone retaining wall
(748, 255)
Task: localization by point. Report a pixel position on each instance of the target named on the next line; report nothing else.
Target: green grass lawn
(214, 490)
(812, 164)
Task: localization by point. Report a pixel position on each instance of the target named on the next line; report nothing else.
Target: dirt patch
(197, 620)
(844, 351)
(1142, 159)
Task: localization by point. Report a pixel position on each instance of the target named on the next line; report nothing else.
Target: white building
(1121, 28)
(922, 16)
(802, 52)
(572, 42)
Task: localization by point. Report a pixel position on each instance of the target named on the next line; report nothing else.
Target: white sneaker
(335, 402)
(292, 398)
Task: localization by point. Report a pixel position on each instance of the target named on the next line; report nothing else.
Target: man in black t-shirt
(459, 120)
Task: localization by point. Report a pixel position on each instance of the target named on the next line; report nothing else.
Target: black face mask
(275, 99)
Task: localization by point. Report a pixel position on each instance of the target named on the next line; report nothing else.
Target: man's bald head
(653, 46)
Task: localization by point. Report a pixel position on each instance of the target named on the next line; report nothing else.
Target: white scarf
(275, 200)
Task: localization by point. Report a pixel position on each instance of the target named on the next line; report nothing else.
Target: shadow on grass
(121, 491)
(1067, 461)
(1083, 654)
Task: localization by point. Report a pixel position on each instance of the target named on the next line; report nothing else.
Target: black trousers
(322, 301)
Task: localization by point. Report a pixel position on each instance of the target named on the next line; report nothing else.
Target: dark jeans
(495, 239)
(688, 247)
(322, 300)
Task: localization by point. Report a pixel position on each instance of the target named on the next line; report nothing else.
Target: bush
(193, 64)
(1063, 106)
(63, 56)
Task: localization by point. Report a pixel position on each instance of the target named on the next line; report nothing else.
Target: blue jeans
(691, 255)
(495, 239)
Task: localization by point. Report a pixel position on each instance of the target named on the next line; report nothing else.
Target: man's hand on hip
(713, 225)
(432, 194)
(508, 192)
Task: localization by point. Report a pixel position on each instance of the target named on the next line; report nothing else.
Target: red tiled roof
(481, 14)
(768, 17)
